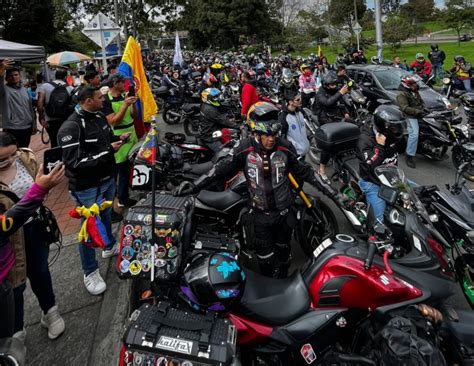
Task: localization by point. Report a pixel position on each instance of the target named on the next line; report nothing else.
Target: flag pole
(153, 200)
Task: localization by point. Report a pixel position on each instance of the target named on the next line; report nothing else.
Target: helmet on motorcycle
(390, 121)
(434, 46)
(209, 79)
(211, 96)
(329, 79)
(420, 57)
(458, 58)
(213, 282)
(262, 118)
(410, 83)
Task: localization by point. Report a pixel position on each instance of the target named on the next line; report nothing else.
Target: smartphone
(51, 158)
(131, 91)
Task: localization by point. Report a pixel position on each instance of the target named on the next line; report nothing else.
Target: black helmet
(458, 58)
(262, 118)
(434, 46)
(329, 78)
(391, 122)
(213, 282)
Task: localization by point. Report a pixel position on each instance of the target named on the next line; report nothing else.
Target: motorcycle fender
(306, 326)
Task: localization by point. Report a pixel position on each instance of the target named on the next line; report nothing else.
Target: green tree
(458, 16)
(341, 12)
(395, 30)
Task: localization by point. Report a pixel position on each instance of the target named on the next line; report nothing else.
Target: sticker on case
(124, 266)
(135, 267)
(160, 251)
(160, 263)
(127, 253)
(173, 252)
(137, 244)
(127, 241)
(147, 220)
(146, 265)
(128, 230)
(146, 248)
(137, 230)
(172, 266)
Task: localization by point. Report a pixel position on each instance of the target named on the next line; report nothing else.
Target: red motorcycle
(331, 311)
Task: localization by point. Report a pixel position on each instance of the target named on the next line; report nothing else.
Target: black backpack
(60, 102)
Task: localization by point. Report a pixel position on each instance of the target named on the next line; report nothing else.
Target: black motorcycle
(452, 215)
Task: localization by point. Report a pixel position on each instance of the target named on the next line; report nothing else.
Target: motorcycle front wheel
(190, 128)
(171, 114)
(314, 152)
(309, 233)
(458, 159)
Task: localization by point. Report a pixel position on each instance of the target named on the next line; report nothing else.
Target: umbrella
(67, 57)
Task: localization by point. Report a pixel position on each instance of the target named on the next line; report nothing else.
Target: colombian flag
(131, 67)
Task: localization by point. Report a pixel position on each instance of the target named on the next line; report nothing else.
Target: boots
(410, 162)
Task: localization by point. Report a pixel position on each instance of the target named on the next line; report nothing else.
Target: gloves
(184, 189)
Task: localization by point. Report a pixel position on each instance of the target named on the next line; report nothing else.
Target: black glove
(184, 189)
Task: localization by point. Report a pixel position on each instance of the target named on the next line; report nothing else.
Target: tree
(396, 30)
(419, 10)
(389, 6)
(458, 16)
(341, 12)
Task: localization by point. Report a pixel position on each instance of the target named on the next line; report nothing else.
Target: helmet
(304, 66)
(211, 96)
(419, 56)
(213, 281)
(262, 118)
(329, 78)
(434, 46)
(458, 58)
(410, 83)
(391, 122)
(209, 78)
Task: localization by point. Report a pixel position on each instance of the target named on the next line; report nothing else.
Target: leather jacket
(266, 173)
(212, 120)
(328, 107)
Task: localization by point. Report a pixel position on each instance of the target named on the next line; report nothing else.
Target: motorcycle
(467, 102)
(180, 105)
(452, 86)
(287, 85)
(451, 214)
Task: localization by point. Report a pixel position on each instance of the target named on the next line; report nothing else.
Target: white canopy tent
(19, 51)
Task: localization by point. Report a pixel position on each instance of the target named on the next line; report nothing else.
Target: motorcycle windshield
(391, 176)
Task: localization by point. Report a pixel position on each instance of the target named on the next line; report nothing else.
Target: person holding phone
(120, 109)
(88, 148)
(16, 106)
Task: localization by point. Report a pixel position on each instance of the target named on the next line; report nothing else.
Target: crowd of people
(93, 123)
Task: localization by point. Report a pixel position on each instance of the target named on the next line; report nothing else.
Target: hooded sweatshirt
(294, 130)
(16, 107)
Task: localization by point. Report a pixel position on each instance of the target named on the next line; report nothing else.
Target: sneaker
(128, 203)
(107, 253)
(116, 217)
(410, 162)
(20, 335)
(53, 322)
(94, 283)
(325, 178)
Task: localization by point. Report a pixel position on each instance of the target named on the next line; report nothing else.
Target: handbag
(50, 228)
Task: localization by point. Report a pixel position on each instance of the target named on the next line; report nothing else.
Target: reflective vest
(125, 125)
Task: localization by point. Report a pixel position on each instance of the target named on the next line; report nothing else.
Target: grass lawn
(407, 52)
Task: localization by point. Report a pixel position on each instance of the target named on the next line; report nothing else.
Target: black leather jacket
(266, 173)
(328, 107)
(212, 120)
(372, 155)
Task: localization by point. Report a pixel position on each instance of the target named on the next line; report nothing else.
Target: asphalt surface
(95, 324)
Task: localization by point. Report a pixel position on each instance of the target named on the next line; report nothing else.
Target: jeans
(7, 310)
(88, 197)
(438, 71)
(123, 179)
(467, 84)
(413, 130)
(371, 191)
(37, 270)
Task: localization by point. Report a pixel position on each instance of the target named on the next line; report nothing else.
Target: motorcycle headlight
(396, 217)
(434, 218)
(447, 103)
(465, 130)
(446, 81)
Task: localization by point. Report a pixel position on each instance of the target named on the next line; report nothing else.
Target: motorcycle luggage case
(163, 334)
(335, 137)
(170, 240)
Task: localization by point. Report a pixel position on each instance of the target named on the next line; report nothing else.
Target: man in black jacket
(88, 147)
(328, 107)
(437, 58)
(266, 161)
(212, 119)
(377, 146)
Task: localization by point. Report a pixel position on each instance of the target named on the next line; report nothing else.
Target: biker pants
(273, 232)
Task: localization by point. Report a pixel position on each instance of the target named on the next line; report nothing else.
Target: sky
(370, 3)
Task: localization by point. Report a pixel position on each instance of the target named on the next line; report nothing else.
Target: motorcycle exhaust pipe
(175, 114)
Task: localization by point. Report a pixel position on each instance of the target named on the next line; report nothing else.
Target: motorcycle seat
(274, 301)
(352, 165)
(198, 169)
(219, 200)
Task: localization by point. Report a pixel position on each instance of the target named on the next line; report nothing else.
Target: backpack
(59, 105)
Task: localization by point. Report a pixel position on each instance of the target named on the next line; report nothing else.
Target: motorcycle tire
(160, 102)
(168, 117)
(314, 152)
(190, 128)
(309, 234)
(457, 158)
